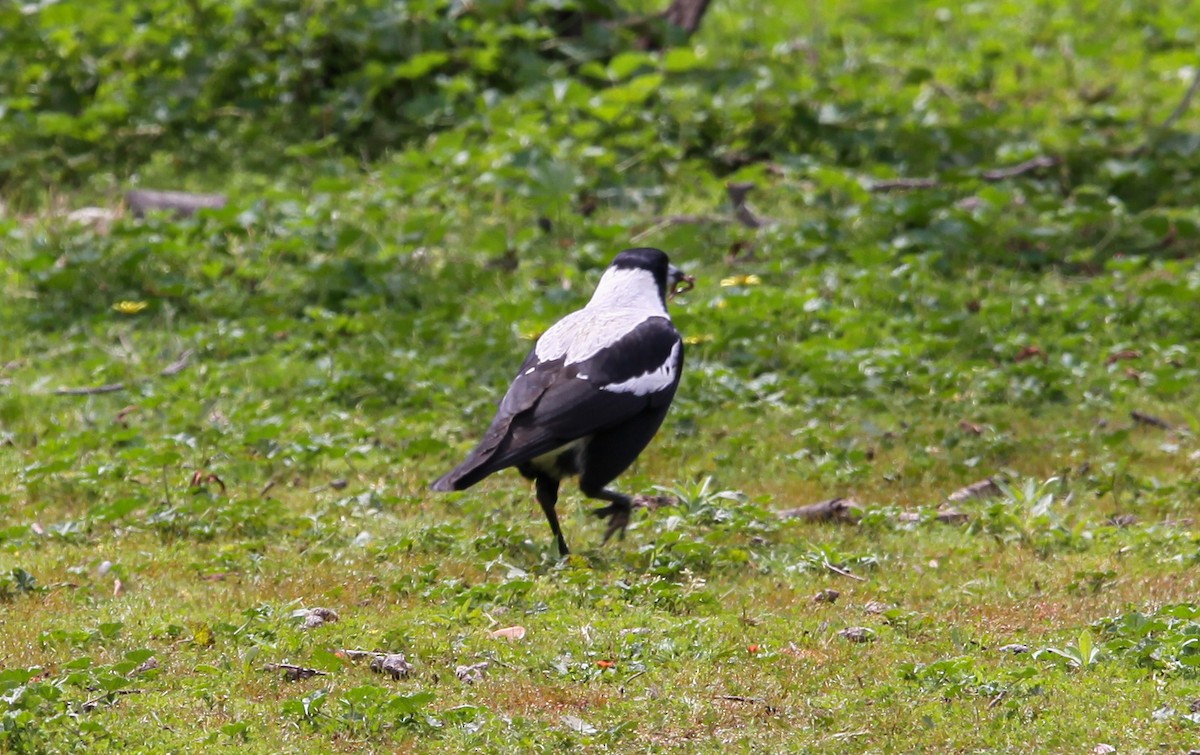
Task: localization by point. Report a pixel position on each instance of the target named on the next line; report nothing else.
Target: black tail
(461, 477)
(495, 452)
(480, 463)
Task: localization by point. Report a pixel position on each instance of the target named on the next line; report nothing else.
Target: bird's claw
(618, 520)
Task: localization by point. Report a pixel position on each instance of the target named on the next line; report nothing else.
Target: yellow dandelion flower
(130, 307)
(697, 340)
(741, 280)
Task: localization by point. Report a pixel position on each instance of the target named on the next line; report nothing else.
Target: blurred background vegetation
(967, 254)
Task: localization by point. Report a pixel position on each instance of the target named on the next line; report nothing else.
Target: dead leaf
(394, 665)
(124, 413)
(1029, 352)
(857, 634)
(654, 502)
(472, 674)
(578, 725)
(512, 634)
(316, 617)
(1123, 355)
(970, 427)
(1122, 520)
(826, 596)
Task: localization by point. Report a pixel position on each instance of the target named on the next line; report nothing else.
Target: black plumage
(591, 394)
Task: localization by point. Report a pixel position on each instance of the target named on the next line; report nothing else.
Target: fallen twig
(740, 699)
(1184, 103)
(1040, 162)
(90, 391)
(179, 365)
(840, 510)
(847, 735)
(843, 572)
(184, 204)
(659, 223)
(951, 516)
(741, 211)
(1033, 164)
(1149, 419)
(172, 369)
(903, 184)
(292, 672)
(987, 488)
(91, 705)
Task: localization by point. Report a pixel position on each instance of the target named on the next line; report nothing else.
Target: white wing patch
(650, 382)
(582, 335)
(623, 300)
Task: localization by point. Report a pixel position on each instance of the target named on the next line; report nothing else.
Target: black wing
(551, 404)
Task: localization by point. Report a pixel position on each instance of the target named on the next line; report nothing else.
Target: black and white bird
(591, 394)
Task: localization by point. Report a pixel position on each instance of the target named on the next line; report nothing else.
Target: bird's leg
(547, 495)
(617, 512)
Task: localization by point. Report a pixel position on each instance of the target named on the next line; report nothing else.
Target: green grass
(348, 327)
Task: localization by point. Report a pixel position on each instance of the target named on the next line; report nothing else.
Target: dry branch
(182, 203)
(1184, 103)
(172, 369)
(843, 572)
(91, 391)
(945, 515)
(110, 697)
(982, 489)
(292, 672)
(951, 516)
(903, 184)
(839, 510)
(1041, 162)
(179, 365)
(741, 211)
(740, 699)
(1149, 419)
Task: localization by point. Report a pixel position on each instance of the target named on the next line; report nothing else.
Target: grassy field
(288, 374)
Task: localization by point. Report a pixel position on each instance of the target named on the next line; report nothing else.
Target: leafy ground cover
(286, 375)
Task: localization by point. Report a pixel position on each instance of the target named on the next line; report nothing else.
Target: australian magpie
(591, 394)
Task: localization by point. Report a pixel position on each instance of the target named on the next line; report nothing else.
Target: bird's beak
(679, 282)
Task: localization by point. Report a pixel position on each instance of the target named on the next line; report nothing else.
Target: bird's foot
(617, 515)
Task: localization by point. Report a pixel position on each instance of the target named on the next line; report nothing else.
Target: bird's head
(642, 273)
